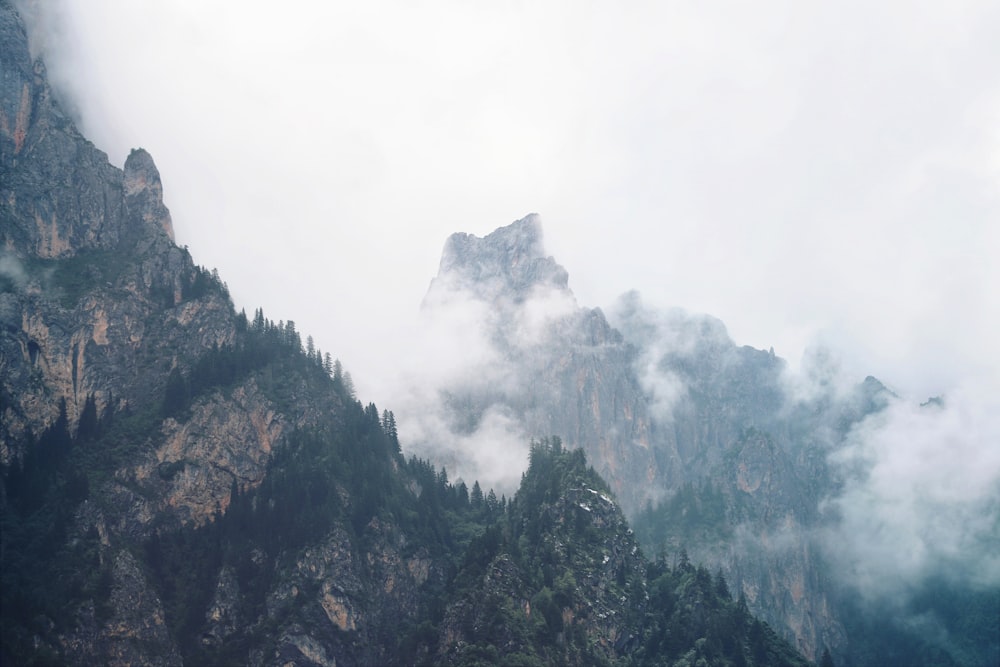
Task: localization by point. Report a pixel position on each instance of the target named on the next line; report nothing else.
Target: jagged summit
(144, 190)
(509, 262)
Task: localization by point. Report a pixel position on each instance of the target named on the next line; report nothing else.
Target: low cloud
(920, 496)
(667, 339)
(820, 376)
(12, 269)
(461, 380)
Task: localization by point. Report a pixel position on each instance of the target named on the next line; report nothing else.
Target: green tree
(176, 396)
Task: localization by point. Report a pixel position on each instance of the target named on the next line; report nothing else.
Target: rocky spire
(144, 191)
(510, 262)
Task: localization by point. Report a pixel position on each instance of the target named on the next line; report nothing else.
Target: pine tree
(176, 395)
(86, 427)
(721, 587)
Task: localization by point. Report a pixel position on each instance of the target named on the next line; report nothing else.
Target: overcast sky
(804, 171)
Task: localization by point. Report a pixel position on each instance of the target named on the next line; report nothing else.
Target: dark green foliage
(177, 396)
(695, 513)
(688, 622)
(45, 573)
(542, 549)
(202, 282)
(942, 623)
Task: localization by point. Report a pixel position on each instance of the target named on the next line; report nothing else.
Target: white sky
(804, 171)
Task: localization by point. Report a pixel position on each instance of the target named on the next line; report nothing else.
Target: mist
(921, 497)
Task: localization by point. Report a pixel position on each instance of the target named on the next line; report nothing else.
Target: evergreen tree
(721, 587)
(176, 396)
(349, 385)
(86, 428)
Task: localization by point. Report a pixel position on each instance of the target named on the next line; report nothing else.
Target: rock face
(78, 328)
(60, 196)
(509, 264)
(565, 370)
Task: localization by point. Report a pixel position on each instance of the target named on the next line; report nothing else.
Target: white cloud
(921, 496)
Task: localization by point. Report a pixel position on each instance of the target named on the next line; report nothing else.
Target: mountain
(554, 367)
(184, 484)
(713, 448)
(658, 403)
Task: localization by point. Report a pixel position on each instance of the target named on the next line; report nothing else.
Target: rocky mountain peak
(509, 262)
(144, 190)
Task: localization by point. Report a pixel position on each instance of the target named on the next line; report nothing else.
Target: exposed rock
(144, 191)
(137, 632)
(222, 617)
(509, 263)
(566, 371)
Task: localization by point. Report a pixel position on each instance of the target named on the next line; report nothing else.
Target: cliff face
(88, 263)
(565, 370)
(61, 197)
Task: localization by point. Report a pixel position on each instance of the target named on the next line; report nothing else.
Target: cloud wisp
(920, 497)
